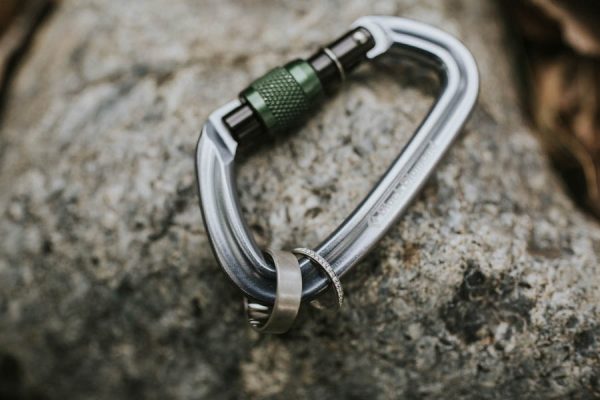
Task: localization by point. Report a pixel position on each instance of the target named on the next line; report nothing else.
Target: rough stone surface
(487, 288)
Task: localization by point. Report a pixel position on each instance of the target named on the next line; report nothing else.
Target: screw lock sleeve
(283, 96)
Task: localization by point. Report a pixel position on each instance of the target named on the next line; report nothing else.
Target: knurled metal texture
(280, 99)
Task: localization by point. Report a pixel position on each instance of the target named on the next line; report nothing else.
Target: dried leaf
(8, 10)
(565, 110)
(18, 21)
(562, 43)
(579, 21)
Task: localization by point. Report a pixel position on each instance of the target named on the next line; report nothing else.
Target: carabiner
(281, 99)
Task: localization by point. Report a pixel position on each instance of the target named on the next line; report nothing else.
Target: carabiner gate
(281, 99)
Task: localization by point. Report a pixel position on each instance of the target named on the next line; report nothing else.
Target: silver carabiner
(233, 245)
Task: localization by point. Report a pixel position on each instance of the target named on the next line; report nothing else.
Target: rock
(488, 287)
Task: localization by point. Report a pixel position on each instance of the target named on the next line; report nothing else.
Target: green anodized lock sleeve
(283, 96)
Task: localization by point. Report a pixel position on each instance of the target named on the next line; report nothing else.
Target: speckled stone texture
(488, 287)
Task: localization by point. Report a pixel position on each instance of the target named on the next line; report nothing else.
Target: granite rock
(487, 288)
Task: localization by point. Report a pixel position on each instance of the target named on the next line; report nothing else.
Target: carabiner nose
(283, 97)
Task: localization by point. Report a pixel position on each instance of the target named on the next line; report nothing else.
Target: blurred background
(486, 288)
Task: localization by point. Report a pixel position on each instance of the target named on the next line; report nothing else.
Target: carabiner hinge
(282, 98)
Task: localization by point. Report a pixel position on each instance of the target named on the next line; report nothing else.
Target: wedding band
(326, 267)
(288, 295)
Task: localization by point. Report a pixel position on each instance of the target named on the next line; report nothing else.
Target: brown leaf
(18, 22)
(562, 43)
(566, 94)
(579, 21)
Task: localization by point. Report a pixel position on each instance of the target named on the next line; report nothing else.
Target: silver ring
(326, 267)
(288, 295)
(336, 61)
